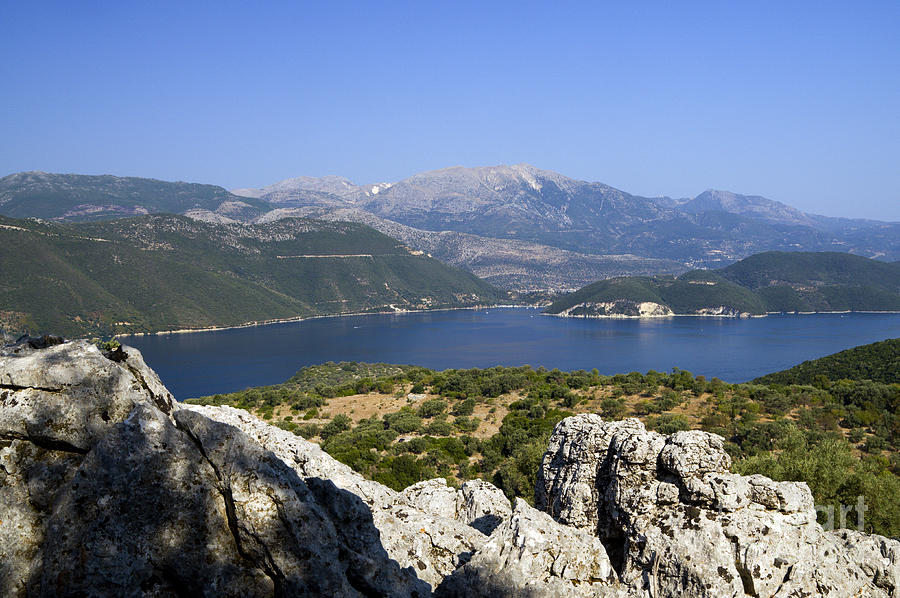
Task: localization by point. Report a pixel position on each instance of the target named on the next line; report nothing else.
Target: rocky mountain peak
(495, 178)
(337, 185)
(748, 205)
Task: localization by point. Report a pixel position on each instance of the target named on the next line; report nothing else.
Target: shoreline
(477, 307)
(734, 317)
(662, 317)
(316, 317)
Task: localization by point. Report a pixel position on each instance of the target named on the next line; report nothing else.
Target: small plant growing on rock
(110, 345)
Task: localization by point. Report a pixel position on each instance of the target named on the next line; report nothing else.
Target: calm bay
(734, 350)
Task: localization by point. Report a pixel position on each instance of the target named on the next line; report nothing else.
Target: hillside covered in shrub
(404, 424)
(878, 362)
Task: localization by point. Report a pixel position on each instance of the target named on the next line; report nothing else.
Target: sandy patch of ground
(359, 407)
(490, 412)
(490, 422)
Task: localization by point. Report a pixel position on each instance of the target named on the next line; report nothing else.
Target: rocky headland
(110, 487)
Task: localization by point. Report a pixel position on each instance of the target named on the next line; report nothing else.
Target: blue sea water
(735, 350)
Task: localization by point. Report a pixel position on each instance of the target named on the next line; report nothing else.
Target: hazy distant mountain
(306, 190)
(518, 201)
(76, 197)
(776, 212)
(518, 225)
(753, 206)
(670, 202)
(525, 203)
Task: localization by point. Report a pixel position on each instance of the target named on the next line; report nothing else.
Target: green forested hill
(686, 294)
(826, 268)
(826, 281)
(633, 288)
(78, 198)
(169, 272)
(766, 282)
(879, 362)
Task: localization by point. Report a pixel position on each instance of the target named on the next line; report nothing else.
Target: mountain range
(517, 226)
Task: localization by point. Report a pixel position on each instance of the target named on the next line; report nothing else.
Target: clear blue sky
(797, 101)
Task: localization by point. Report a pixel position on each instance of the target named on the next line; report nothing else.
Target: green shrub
(874, 444)
(339, 423)
(668, 423)
(286, 424)
(439, 427)
(466, 407)
(612, 408)
(401, 471)
(403, 421)
(308, 430)
(464, 423)
(432, 407)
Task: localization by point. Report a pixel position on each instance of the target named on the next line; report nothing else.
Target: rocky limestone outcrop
(476, 503)
(65, 396)
(417, 534)
(722, 310)
(620, 308)
(109, 487)
(877, 556)
(530, 555)
(677, 523)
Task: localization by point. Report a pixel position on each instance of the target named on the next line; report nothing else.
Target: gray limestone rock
(30, 479)
(143, 515)
(482, 505)
(302, 532)
(877, 556)
(694, 453)
(676, 523)
(65, 396)
(57, 400)
(419, 529)
(531, 555)
(432, 496)
(108, 488)
(477, 503)
(574, 471)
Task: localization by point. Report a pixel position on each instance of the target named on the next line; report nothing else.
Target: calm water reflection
(732, 349)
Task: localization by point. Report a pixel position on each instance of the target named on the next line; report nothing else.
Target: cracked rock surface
(420, 535)
(539, 558)
(477, 503)
(108, 488)
(677, 523)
